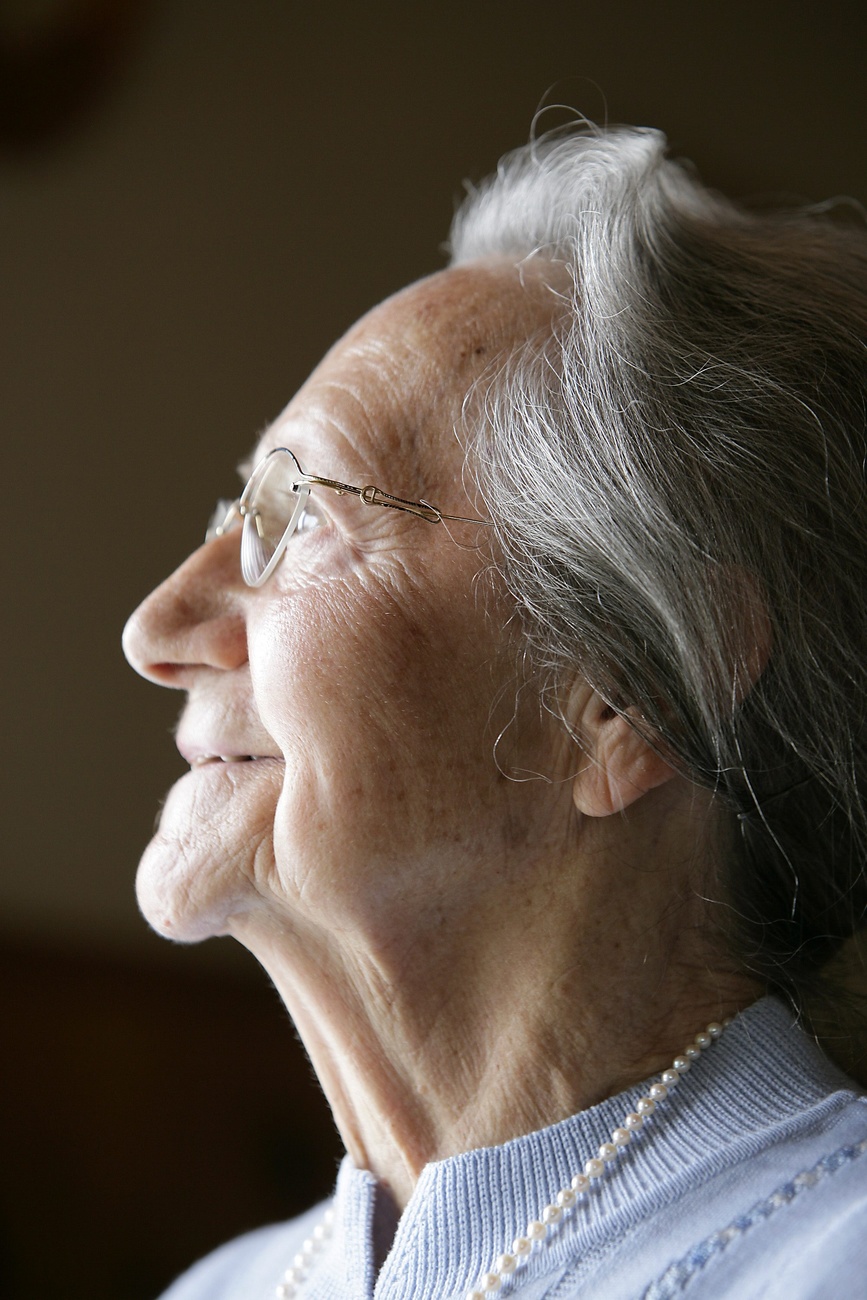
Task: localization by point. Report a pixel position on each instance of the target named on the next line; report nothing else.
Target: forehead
(387, 396)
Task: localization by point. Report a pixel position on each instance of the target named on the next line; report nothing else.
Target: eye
(309, 518)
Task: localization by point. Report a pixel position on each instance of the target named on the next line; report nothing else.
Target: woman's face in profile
(358, 683)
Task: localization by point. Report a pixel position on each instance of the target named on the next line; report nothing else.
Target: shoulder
(786, 1219)
(805, 1240)
(827, 1253)
(251, 1265)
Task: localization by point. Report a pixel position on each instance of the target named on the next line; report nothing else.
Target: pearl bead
(633, 1120)
(621, 1137)
(692, 1052)
(657, 1091)
(506, 1264)
(670, 1078)
(646, 1106)
(475, 1295)
(490, 1282)
(714, 1029)
(521, 1246)
(552, 1214)
(594, 1168)
(566, 1198)
(608, 1151)
(681, 1064)
(580, 1183)
(294, 1276)
(703, 1040)
(536, 1230)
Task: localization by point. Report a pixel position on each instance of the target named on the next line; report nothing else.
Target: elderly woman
(526, 728)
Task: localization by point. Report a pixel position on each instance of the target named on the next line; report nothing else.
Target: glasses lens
(271, 508)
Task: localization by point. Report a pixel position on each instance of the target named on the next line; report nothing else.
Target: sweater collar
(465, 1211)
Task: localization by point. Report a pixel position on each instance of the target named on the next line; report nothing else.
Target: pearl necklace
(552, 1214)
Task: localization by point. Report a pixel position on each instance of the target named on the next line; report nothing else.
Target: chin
(187, 900)
(215, 831)
(167, 903)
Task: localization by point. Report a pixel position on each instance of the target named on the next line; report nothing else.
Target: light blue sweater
(749, 1181)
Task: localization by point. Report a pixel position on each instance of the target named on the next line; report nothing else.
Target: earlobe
(620, 764)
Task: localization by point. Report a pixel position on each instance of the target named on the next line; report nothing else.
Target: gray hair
(677, 464)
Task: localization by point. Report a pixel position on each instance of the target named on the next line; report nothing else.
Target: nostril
(165, 674)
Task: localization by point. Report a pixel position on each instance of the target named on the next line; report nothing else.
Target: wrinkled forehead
(387, 397)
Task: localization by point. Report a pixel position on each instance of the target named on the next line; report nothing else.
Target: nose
(194, 620)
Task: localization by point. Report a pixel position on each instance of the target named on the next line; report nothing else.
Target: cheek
(382, 719)
(359, 666)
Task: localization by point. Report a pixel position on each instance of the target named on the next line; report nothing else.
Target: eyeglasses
(272, 507)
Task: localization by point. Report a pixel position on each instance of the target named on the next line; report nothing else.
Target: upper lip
(213, 730)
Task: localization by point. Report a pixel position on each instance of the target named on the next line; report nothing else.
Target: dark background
(196, 198)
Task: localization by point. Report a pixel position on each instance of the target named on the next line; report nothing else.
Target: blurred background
(196, 198)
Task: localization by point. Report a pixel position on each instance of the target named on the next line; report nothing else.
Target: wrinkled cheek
(314, 833)
(380, 777)
(341, 842)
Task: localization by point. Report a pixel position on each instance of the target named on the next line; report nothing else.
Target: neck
(527, 1008)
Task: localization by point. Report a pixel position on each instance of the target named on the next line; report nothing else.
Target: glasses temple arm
(374, 496)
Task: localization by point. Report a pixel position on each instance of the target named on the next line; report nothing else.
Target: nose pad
(194, 620)
(225, 519)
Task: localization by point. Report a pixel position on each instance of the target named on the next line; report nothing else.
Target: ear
(620, 764)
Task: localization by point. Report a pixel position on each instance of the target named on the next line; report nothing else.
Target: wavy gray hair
(678, 464)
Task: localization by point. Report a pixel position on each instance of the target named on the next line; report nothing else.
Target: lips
(216, 736)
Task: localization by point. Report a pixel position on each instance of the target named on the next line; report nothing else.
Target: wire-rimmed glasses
(272, 505)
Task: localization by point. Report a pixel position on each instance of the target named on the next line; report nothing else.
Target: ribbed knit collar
(465, 1211)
